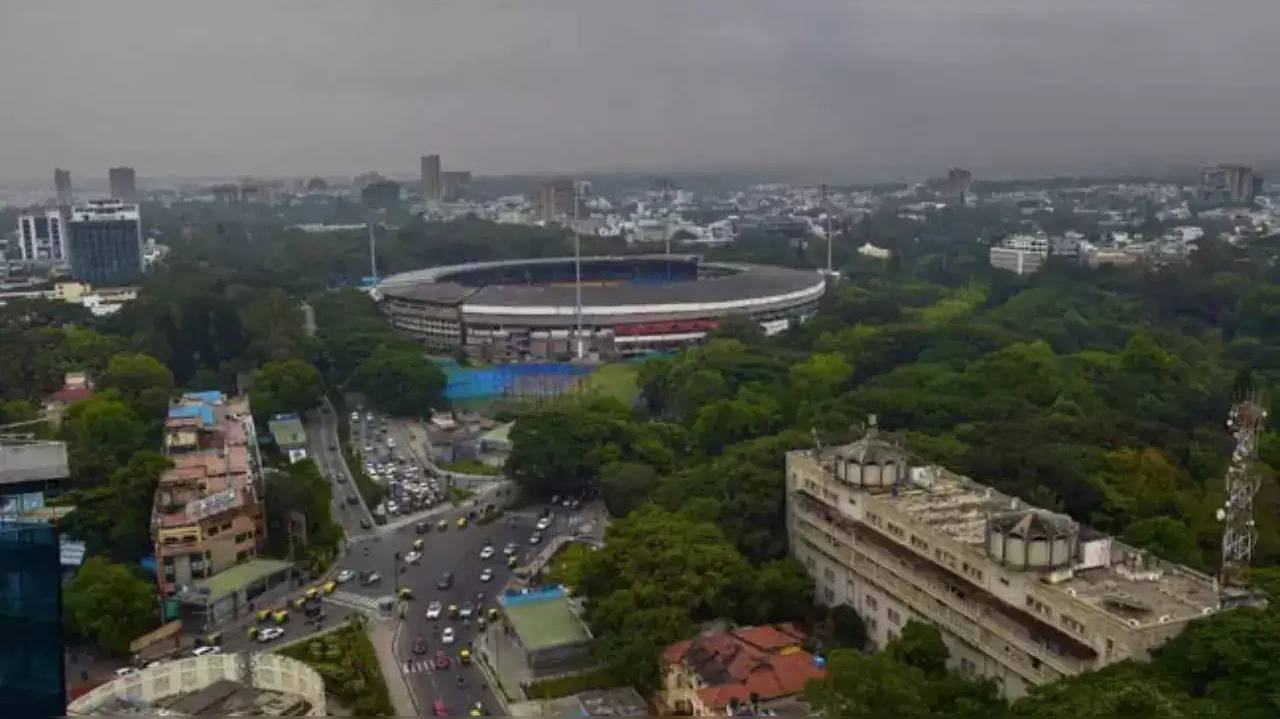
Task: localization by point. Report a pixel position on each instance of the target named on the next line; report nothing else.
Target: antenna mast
(577, 273)
(1239, 531)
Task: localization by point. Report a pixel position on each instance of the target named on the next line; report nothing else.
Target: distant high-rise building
(124, 184)
(381, 195)
(454, 183)
(432, 188)
(105, 242)
(62, 185)
(556, 201)
(1229, 184)
(42, 237)
(959, 180)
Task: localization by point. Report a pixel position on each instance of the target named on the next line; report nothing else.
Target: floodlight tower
(1247, 418)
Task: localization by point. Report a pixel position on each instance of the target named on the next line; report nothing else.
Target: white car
(447, 635)
(486, 574)
(486, 552)
(355, 416)
(510, 549)
(344, 576)
(270, 633)
(413, 557)
(202, 651)
(125, 671)
(368, 416)
(535, 538)
(433, 610)
(543, 523)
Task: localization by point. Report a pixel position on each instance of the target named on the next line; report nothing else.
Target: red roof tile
(764, 660)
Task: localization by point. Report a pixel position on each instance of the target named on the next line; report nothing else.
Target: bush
(346, 660)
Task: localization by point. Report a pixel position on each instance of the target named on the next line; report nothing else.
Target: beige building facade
(1021, 595)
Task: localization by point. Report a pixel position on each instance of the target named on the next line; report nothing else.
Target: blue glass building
(32, 681)
(105, 243)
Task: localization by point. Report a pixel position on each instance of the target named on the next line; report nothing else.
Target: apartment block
(1021, 595)
(209, 514)
(1020, 254)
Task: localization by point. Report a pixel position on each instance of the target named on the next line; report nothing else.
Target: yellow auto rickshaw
(418, 544)
(280, 616)
(462, 522)
(330, 586)
(313, 592)
(442, 525)
(493, 614)
(264, 615)
(212, 639)
(453, 611)
(300, 602)
(252, 631)
(512, 561)
(464, 656)
(405, 593)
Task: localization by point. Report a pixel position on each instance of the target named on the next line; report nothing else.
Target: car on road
(442, 525)
(447, 636)
(543, 523)
(439, 709)
(445, 581)
(418, 543)
(125, 671)
(202, 651)
(413, 557)
(510, 549)
(486, 574)
(513, 560)
(405, 593)
(419, 646)
(353, 499)
(269, 633)
(464, 656)
(341, 478)
(434, 609)
(368, 416)
(371, 578)
(344, 576)
(466, 611)
(355, 416)
(365, 523)
(421, 528)
(329, 587)
(535, 538)
(333, 448)
(486, 552)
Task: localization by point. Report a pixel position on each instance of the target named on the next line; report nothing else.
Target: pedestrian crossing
(418, 666)
(353, 600)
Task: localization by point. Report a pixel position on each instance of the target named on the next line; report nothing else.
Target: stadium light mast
(373, 255)
(830, 237)
(577, 274)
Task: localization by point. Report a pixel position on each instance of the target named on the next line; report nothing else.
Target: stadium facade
(528, 309)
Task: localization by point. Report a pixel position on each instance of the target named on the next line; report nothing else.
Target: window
(967, 667)
(871, 603)
(828, 594)
(1004, 581)
(1072, 624)
(828, 574)
(896, 531)
(919, 543)
(893, 615)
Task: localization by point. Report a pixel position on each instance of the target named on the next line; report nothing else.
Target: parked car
(269, 633)
(344, 576)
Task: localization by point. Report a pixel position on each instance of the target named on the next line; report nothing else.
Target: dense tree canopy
(290, 385)
(108, 605)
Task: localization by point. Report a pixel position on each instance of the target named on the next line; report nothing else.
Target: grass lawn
(566, 566)
(564, 686)
(616, 380)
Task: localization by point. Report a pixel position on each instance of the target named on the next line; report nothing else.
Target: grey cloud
(855, 88)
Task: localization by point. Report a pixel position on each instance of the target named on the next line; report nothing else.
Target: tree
(141, 381)
(280, 386)
(625, 485)
(114, 519)
(781, 591)
(402, 383)
(1166, 537)
(303, 490)
(102, 433)
(858, 685)
(1122, 690)
(920, 646)
(847, 627)
(108, 605)
(560, 447)
(820, 375)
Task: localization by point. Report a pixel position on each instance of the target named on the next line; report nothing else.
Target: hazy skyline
(857, 89)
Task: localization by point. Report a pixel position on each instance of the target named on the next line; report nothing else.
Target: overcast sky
(860, 89)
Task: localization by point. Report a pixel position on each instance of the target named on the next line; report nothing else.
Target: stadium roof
(738, 283)
(543, 620)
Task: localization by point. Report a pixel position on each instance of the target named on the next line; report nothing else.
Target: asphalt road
(322, 433)
(456, 551)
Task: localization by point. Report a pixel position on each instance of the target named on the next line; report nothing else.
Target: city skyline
(877, 89)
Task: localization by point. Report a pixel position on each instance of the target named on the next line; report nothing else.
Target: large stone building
(1020, 594)
(209, 513)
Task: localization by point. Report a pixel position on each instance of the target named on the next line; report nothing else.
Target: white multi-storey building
(1020, 594)
(1020, 254)
(42, 237)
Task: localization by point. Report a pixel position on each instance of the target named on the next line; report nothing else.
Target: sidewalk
(384, 636)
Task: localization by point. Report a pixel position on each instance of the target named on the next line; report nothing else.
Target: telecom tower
(1239, 531)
